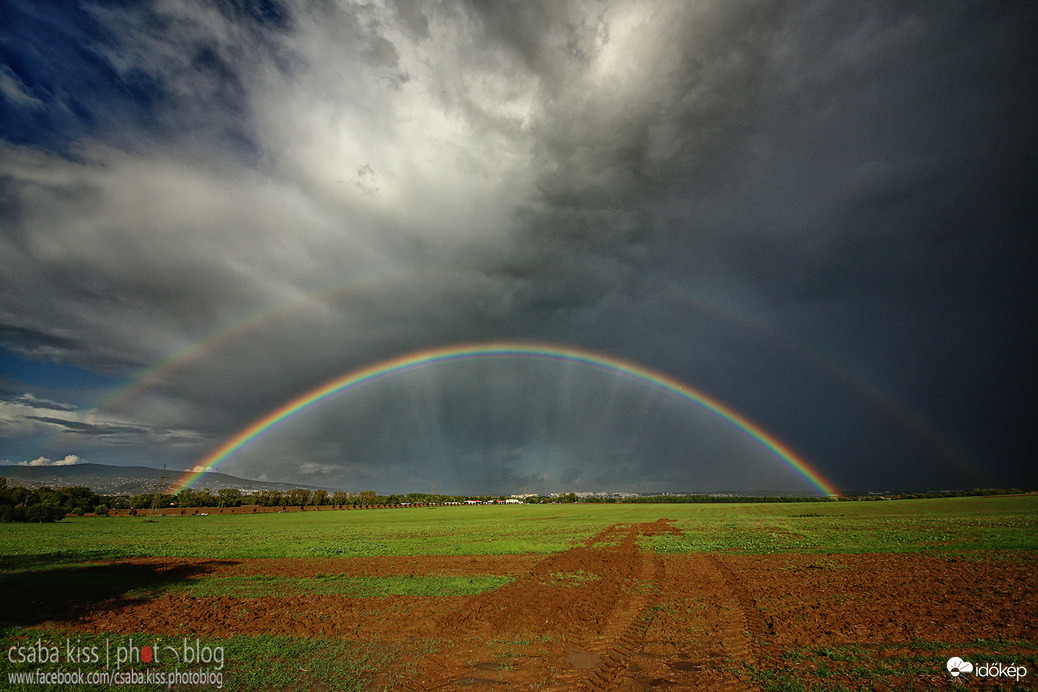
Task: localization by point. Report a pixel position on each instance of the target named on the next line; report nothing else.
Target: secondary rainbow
(412, 361)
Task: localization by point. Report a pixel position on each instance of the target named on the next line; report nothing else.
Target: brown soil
(607, 615)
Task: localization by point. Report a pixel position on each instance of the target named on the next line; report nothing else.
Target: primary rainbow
(411, 361)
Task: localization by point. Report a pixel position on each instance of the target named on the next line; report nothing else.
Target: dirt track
(609, 616)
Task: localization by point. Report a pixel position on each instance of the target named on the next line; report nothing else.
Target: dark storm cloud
(810, 211)
(108, 432)
(85, 428)
(36, 342)
(868, 163)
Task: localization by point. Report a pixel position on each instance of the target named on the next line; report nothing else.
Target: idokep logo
(956, 666)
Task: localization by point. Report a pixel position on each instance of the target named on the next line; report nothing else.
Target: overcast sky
(819, 213)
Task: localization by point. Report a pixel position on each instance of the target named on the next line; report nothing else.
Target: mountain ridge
(108, 479)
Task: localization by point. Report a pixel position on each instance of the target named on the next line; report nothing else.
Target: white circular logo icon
(956, 665)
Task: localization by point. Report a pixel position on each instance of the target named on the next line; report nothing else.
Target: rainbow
(161, 371)
(412, 361)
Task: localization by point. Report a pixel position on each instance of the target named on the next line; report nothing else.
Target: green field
(38, 558)
(948, 524)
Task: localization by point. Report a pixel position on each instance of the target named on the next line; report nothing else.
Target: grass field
(950, 524)
(434, 561)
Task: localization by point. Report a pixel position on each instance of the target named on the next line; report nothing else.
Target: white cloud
(69, 460)
(28, 416)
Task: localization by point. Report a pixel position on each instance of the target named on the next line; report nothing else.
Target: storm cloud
(820, 214)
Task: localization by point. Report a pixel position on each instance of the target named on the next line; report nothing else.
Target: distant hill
(126, 480)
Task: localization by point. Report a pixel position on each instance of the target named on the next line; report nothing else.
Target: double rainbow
(413, 361)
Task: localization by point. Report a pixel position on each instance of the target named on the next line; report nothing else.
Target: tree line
(297, 497)
(45, 504)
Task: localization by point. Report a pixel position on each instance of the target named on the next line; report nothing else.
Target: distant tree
(78, 498)
(41, 512)
(18, 495)
(229, 497)
(141, 501)
(48, 494)
(267, 498)
(319, 497)
(101, 510)
(37, 513)
(298, 496)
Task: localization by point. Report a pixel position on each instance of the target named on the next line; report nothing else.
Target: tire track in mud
(590, 601)
(748, 624)
(612, 637)
(694, 634)
(741, 622)
(602, 663)
(628, 658)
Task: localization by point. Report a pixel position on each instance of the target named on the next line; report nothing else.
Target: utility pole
(159, 490)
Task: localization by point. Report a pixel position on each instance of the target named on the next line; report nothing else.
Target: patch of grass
(959, 526)
(795, 655)
(946, 525)
(915, 665)
(249, 662)
(354, 533)
(290, 663)
(57, 559)
(406, 585)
